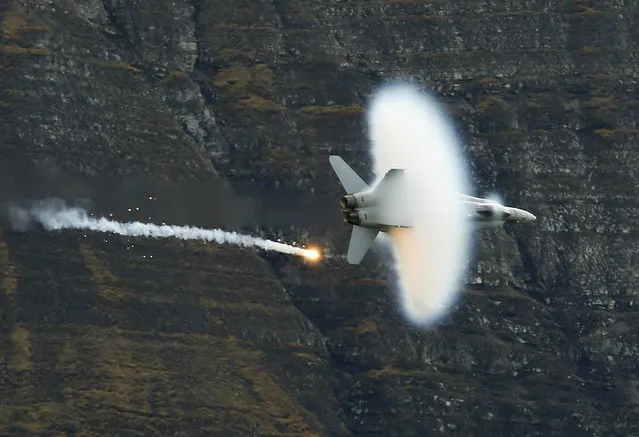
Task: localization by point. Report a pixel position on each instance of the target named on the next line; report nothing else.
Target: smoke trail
(408, 129)
(54, 214)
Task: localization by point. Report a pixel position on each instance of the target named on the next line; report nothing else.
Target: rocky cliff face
(109, 335)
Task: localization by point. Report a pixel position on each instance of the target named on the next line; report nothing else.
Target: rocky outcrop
(98, 337)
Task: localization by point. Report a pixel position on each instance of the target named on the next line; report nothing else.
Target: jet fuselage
(484, 213)
(371, 210)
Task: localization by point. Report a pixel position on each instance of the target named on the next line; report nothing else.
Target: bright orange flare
(311, 254)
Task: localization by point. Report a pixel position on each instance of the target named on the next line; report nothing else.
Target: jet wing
(390, 182)
(467, 198)
(394, 206)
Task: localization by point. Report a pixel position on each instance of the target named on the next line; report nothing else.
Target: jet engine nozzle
(348, 202)
(358, 200)
(354, 218)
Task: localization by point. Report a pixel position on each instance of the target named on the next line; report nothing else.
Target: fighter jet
(363, 208)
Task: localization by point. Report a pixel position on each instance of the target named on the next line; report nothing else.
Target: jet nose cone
(520, 216)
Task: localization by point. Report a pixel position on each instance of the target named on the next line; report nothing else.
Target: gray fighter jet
(362, 207)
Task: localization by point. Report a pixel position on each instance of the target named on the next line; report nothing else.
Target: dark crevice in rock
(117, 32)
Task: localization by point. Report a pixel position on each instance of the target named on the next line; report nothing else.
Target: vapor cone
(410, 130)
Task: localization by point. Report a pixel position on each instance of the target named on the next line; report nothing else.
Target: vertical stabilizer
(351, 182)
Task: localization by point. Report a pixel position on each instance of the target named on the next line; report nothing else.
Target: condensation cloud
(409, 129)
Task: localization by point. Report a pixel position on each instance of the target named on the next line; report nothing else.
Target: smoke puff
(20, 219)
(24, 219)
(409, 130)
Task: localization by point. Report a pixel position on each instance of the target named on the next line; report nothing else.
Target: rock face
(103, 335)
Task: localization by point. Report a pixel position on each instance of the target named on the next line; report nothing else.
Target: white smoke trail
(409, 129)
(55, 215)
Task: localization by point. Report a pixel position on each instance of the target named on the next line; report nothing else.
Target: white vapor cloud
(409, 129)
(55, 215)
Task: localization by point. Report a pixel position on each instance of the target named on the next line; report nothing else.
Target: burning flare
(311, 254)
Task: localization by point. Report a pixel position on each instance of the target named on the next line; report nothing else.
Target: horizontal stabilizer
(361, 240)
(351, 182)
